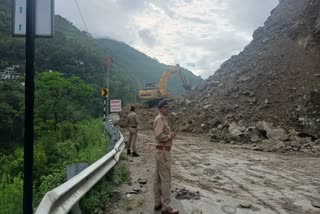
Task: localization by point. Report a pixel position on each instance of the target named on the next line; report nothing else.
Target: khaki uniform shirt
(132, 120)
(162, 131)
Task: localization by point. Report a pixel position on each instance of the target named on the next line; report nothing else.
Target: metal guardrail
(62, 198)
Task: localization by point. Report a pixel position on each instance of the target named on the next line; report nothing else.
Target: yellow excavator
(154, 92)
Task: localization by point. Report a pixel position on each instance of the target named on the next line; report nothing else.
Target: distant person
(133, 122)
(162, 179)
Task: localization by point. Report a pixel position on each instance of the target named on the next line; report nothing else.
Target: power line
(84, 23)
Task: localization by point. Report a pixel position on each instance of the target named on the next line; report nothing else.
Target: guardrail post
(113, 133)
(73, 170)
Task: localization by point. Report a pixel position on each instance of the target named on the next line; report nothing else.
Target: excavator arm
(164, 80)
(185, 83)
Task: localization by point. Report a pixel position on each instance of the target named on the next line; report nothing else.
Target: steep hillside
(142, 68)
(276, 78)
(74, 52)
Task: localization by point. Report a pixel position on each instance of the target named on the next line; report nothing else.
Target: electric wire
(84, 23)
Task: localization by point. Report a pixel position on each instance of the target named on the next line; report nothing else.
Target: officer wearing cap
(162, 179)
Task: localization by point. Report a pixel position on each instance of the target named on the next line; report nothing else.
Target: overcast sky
(197, 34)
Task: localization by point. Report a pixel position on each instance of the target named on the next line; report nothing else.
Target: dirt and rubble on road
(260, 136)
(223, 179)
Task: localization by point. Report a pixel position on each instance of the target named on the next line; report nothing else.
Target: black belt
(133, 127)
(167, 148)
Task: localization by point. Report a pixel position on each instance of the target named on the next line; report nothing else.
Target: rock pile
(265, 137)
(276, 79)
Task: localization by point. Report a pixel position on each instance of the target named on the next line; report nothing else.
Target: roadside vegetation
(65, 133)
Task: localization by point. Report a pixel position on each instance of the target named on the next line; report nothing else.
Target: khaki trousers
(133, 133)
(162, 178)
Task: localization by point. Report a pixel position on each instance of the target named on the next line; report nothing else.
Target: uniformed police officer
(162, 178)
(132, 120)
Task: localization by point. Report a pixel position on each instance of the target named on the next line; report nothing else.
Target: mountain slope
(275, 78)
(143, 68)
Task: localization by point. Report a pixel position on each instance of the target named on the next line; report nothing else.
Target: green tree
(11, 110)
(58, 99)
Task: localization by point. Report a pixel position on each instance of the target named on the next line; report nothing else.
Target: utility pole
(104, 111)
(29, 109)
(108, 86)
(135, 93)
(108, 61)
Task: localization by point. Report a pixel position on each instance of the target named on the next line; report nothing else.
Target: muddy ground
(229, 178)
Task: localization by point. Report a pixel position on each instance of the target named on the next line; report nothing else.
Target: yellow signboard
(105, 92)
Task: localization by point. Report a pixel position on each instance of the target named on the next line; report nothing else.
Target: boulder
(271, 133)
(187, 128)
(277, 134)
(235, 138)
(255, 138)
(293, 135)
(207, 106)
(215, 122)
(263, 127)
(234, 129)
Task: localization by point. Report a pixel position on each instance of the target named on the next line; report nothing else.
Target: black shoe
(134, 154)
(128, 152)
(170, 211)
(159, 207)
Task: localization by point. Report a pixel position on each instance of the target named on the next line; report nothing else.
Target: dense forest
(65, 133)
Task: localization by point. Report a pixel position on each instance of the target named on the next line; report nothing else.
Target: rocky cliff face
(276, 78)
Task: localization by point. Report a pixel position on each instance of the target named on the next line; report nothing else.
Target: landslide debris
(275, 80)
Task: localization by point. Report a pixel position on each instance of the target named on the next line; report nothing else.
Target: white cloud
(199, 35)
(147, 37)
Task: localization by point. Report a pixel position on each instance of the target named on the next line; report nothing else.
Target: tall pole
(104, 111)
(108, 86)
(29, 111)
(135, 93)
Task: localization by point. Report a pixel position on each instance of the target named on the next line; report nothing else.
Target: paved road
(226, 176)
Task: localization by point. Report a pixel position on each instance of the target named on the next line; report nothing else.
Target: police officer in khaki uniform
(162, 178)
(133, 122)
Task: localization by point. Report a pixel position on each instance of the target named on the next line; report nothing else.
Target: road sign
(105, 92)
(108, 60)
(115, 105)
(44, 18)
